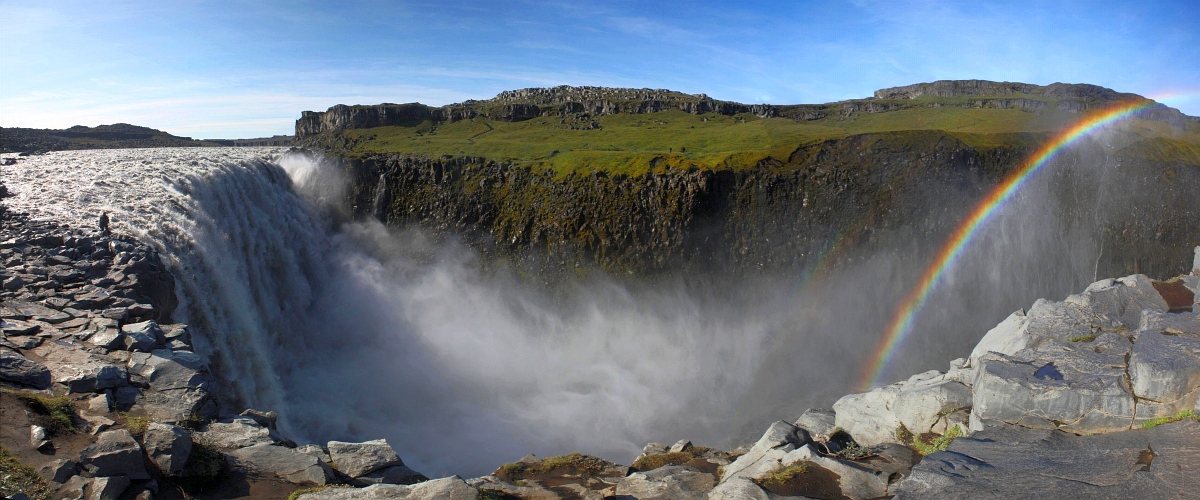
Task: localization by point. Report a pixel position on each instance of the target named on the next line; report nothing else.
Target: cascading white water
(356, 331)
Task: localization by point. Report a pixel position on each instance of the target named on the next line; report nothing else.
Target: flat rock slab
(294, 466)
(115, 453)
(449, 488)
(18, 370)
(1013, 462)
(357, 459)
(665, 483)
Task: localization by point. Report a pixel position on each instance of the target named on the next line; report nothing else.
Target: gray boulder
(107, 488)
(287, 463)
(1164, 366)
(264, 418)
(40, 312)
(15, 368)
(164, 369)
(115, 453)
(59, 470)
(1008, 337)
(920, 406)
(1076, 386)
(817, 421)
(767, 453)
(449, 488)
(868, 417)
(138, 341)
(108, 338)
(357, 459)
(1007, 461)
(1120, 302)
(396, 474)
(148, 328)
(37, 437)
(168, 447)
(81, 371)
(238, 432)
(667, 483)
(856, 481)
(681, 446)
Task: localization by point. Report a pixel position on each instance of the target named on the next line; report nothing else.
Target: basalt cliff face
(862, 193)
(853, 193)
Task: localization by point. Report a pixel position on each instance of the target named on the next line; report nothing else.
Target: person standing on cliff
(104, 223)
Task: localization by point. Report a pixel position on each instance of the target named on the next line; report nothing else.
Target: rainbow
(902, 321)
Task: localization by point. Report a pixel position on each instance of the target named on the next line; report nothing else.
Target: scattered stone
(107, 488)
(357, 459)
(101, 403)
(681, 446)
(264, 418)
(115, 453)
(37, 437)
(59, 470)
(168, 447)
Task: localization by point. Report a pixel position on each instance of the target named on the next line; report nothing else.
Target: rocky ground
(102, 396)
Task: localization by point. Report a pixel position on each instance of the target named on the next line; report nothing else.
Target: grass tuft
(313, 489)
(1083, 338)
(204, 466)
(56, 413)
(651, 462)
(136, 425)
(1183, 415)
(574, 463)
(852, 451)
(937, 444)
(16, 477)
(780, 477)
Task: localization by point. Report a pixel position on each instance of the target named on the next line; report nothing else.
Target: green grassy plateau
(636, 143)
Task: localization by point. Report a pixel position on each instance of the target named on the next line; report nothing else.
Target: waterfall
(352, 330)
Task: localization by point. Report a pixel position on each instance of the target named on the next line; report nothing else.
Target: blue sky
(247, 69)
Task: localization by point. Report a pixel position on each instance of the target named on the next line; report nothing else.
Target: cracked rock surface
(1008, 461)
